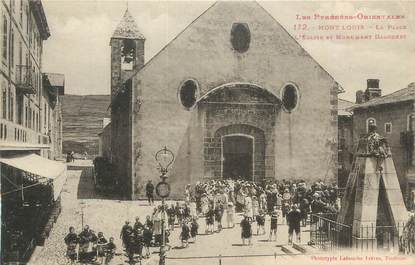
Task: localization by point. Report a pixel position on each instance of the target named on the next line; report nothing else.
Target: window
(44, 122)
(11, 105)
(19, 108)
(11, 48)
(37, 122)
(240, 37)
(21, 12)
(4, 38)
(25, 115)
(20, 53)
(27, 20)
(370, 122)
(4, 101)
(33, 120)
(388, 127)
(289, 97)
(29, 119)
(410, 122)
(188, 93)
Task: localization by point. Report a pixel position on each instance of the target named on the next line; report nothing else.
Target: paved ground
(108, 216)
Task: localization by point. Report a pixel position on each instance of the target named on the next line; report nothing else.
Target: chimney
(373, 90)
(360, 97)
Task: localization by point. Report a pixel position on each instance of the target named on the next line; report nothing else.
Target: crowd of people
(91, 246)
(289, 202)
(218, 202)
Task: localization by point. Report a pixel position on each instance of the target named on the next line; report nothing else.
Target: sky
(81, 31)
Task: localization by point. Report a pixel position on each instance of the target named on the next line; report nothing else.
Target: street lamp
(164, 158)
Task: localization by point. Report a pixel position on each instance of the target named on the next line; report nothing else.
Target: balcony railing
(25, 79)
(15, 136)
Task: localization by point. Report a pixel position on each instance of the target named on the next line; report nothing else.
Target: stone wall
(121, 140)
(240, 109)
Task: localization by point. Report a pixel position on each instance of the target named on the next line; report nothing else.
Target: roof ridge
(127, 28)
(394, 97)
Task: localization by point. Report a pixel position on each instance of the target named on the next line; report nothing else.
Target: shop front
(30, 202)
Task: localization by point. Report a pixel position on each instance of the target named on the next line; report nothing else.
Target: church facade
(232, 96)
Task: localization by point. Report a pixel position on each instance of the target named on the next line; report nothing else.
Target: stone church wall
(304, 140)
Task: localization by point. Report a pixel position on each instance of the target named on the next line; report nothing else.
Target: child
(248, 207)
(246, 232)
(204, 204)
(110, 250)
(255, 207)
(71, 240)
(186, 211)
(178, 213)
(260, 220)
(194, 226)
(274, 224)
(148, 222)
(210, 215)
(185, 234)
(147, 237)
(285, 210)
(192, 206)
(230, 214)
(171, 216)
(218, 216)
(101, 243)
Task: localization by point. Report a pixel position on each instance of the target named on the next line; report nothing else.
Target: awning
(40, 166)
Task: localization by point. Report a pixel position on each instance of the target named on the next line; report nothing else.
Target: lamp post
(164, 158)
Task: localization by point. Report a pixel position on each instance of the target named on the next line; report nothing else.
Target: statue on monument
(373, 197)
(377, 145)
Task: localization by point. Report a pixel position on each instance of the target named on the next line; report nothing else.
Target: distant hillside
(82, 121)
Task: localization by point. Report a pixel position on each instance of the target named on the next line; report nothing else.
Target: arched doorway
(238, 127)
(240, 152)
(238, 156)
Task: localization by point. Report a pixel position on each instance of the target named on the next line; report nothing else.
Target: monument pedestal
(373, 204)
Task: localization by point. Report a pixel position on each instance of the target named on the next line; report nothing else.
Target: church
(234, 95)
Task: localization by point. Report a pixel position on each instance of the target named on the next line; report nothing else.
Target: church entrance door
(237, 157)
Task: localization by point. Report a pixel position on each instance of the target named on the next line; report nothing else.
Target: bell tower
(127, 51)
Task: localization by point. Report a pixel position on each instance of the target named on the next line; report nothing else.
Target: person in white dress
(230, 215)
(255, 207)
(248, 207)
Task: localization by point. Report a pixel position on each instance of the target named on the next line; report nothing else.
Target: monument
(373, 204)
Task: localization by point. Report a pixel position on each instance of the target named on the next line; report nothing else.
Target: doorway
(237, 157)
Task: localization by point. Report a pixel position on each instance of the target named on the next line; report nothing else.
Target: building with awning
(30, 201)
(41, 168)
(30, 133)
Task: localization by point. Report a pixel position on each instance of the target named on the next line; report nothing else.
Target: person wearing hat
(294, 219)
(274, 224)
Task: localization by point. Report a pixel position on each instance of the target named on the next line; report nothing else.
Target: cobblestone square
(108, 216)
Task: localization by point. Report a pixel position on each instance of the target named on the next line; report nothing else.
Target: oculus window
(289, 97)
(188, 93)
(240, 37)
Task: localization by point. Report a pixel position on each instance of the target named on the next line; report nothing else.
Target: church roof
(127, 28)
(405, 94)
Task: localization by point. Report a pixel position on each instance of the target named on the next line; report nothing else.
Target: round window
(188, 94)
(240, 37)
(289, 97)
